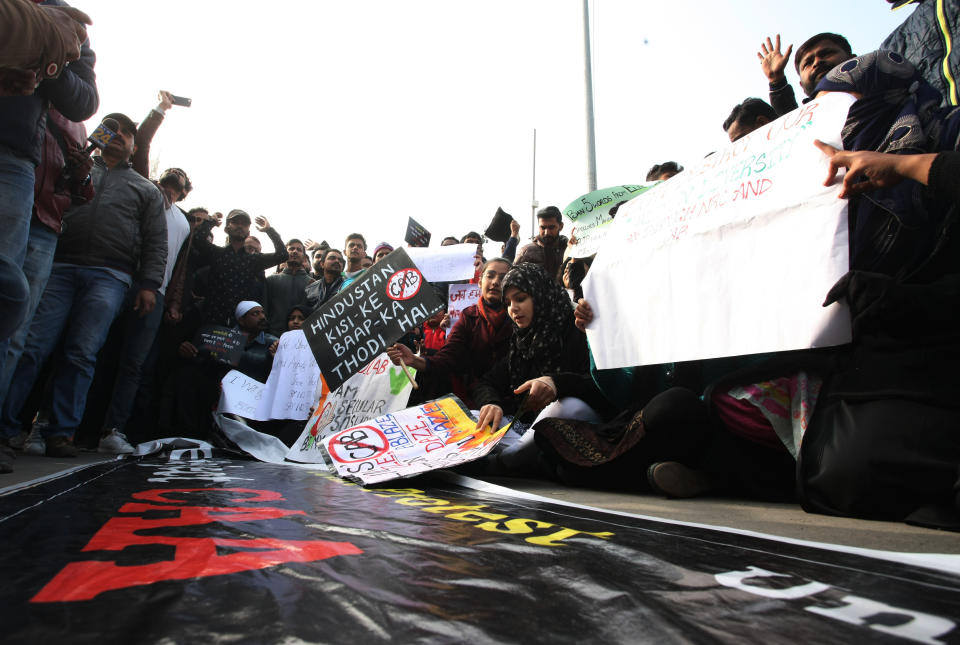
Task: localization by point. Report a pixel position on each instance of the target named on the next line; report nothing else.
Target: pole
(588, 77)
(533, 197)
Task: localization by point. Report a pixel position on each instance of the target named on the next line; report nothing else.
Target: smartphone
(181, 100)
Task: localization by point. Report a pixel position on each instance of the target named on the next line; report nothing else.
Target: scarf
(494, 318)
(537, 350)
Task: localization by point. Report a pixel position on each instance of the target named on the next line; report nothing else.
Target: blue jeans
(36, 265)
(16, 204)
(138, 336)
(80, 303)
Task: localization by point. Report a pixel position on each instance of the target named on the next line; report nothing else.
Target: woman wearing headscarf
(546, 370)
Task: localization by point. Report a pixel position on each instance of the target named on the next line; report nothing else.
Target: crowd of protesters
(107, 283)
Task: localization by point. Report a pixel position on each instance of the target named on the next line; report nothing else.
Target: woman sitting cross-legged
(547, 362)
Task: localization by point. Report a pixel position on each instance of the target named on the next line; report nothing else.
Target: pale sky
(334, 117)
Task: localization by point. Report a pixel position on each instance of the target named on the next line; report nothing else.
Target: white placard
(288, 392)
(732, 256)
(445, 263)
(459, 298)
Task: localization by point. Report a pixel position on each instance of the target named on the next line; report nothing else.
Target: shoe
(6, 459)
(34, 444)
(673, 479)
(16, 441)
(114, 443)
(60, 446)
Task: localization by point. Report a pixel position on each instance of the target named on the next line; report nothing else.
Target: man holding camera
(105, 243)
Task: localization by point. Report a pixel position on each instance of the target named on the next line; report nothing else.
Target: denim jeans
(16, 204)
(80, 303)
(36, 265)
(138, 336)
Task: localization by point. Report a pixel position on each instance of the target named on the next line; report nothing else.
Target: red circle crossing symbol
(358, 444)
(404, 284)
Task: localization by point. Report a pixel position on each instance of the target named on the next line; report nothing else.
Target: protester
(104, 244)
(234, 271)
(354, 253)
(474, 345)
(748, 116)
(331, 281)
(553, 244)
(548, 361)
(815, 57)
(381, 251)
(928, 38)
(286, 289)
(664, 171)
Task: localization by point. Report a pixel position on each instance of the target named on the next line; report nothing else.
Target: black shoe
(6, 458)
(673, 479)
(60, 447)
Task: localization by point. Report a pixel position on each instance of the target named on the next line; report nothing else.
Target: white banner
(377, 389)
(732, 256)
(288, 392)
(444, 263)
(460, 297)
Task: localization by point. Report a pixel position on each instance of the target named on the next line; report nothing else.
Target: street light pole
(588, 77)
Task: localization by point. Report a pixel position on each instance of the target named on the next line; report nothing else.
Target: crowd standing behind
(108, 282)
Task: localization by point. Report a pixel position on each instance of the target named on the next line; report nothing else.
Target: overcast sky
(334, 117)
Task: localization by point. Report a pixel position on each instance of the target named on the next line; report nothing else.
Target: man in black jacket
(105, 243)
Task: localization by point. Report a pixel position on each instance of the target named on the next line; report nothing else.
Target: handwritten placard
(416, 234)
(733, 256)
(220, 343)
(446, 263)
(288, 392)
(461, 296)
(377, 389)
(438, 434)
(588, 217)
(356, 325)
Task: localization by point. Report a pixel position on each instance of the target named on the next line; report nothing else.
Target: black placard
(416, 234)
(220, 343)
(352, 328)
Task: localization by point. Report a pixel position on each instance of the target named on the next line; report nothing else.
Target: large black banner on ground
(233, 551)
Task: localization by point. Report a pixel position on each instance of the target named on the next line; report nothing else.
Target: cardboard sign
(220, 343)
(446, 263)
(588, 218)
(359, 323)
(377, 389)
(438, 434)
(461, 296)
(416, 235)
(732, 256)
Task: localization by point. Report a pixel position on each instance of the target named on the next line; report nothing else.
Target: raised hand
(772, 61)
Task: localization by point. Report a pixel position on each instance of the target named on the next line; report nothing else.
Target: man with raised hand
(815, 57)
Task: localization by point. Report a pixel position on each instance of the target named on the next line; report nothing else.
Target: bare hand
(145, 301)
(173, 315)
(399, 352)
(445, 321)
(582, 315)
(262, 223)
(540, 394)
(273, 347)
(514, 228)
(79, 162)
(490, 417)
(869, 170)
(772, 61)
(311, 245)
(217, 219)
(166, 100)
(187, 349)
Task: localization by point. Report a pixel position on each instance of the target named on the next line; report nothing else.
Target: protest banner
(438, 434)
(289, 389)
(416, 234)
(204, 550)
(732, 256)
(359, 323)
(377, 389)
(588, 220)
(461, 296)
(446, 263)
(220, 343)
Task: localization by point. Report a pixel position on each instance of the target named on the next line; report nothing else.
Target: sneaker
(114, 443)
(673, 479)
(34, 444)
(60, 446)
